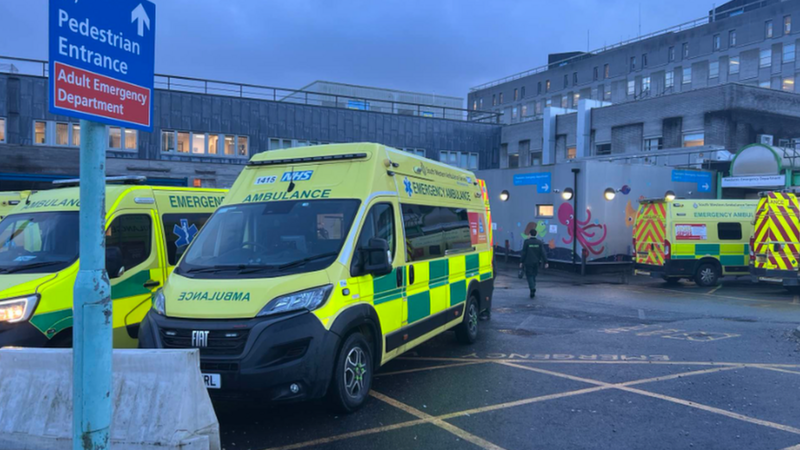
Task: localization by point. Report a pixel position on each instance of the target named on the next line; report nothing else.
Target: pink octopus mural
(587, 232)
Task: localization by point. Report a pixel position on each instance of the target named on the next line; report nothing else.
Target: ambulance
(147, 227)
(8, 200)
(776, 240)
(323, 264)
(701, 240)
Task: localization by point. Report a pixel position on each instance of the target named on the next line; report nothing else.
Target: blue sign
(703, 179)
(542, 180)
(102, 57)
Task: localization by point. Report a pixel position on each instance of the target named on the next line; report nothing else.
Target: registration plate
(643, 272)
(212, 380)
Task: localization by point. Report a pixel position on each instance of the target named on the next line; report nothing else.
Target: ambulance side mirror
(114, 265)
(376, 257)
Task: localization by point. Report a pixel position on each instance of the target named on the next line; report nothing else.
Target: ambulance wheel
(707, 275)
(352, 375)
(467, 330)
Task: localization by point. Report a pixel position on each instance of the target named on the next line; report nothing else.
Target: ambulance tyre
(707, 275)
(352, 375)
(62, 339)
(467, 331)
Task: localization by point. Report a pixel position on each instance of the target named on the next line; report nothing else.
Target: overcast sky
(437, 46)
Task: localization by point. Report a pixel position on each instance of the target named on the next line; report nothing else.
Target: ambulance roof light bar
(125, 179)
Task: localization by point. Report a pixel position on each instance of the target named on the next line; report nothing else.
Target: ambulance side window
(378, 224)
(731, 231)
(180, 230)
(132, 235)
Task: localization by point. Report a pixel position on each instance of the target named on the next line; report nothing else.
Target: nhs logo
(302, 175)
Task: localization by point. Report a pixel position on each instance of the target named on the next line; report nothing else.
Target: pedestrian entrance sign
(101, 60)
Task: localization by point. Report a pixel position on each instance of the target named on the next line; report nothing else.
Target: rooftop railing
(39, 68)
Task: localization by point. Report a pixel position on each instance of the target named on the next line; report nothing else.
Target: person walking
(533, 255)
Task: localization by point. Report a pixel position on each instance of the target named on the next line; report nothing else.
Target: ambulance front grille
(219, 342)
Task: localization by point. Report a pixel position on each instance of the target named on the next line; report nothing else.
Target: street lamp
(669, 196)
(504, 196)
(567, 194)
(609, 194)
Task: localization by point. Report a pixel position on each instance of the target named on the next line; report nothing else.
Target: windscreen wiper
(12, 269)
(300, 262)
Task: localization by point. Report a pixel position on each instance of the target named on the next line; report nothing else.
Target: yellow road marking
(777, 369)
(582, 361)
(718, 287)
(422, 369)
(642, 291)
(794, 447)
(438, 422)
(339, 437)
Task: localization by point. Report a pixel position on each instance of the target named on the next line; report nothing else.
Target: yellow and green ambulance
(146, 229)
(323, 264)
(8, 200)
(776, 240)
(702, 240)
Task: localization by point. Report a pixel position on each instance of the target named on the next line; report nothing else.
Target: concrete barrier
(159, 400)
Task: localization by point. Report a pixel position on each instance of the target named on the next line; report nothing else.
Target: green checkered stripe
(713, 250)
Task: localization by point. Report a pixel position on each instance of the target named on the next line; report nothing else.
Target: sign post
(102, 56)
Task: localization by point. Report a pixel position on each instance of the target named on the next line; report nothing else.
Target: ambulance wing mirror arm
(376, 257)
(114, 265)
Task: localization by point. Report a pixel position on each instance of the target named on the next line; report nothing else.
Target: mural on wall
(587, 233)
(542, 228)
(630, 214)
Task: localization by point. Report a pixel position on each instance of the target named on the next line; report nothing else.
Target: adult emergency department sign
(101, 60)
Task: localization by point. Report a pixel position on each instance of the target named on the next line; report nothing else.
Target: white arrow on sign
(705, 186)
(546, 187)
(140, 14)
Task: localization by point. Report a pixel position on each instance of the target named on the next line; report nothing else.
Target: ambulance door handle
(149, 284)
(410, 275)
(399, 272)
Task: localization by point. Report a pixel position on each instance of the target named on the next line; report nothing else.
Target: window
(733, 65)
(474, 105)
(198, 143)
(607, 93)
(62, 133)
(481, 103)
(631, 87)
(566, 81)
(671, 54)
(717, 42)
(564, 101)
(379, 224)
(500, 98)
(633, 63)
(606, 71)
(644, 60)
(602, 149)
(114, 137)
(2, 129)
(764, 84)
(40, 133)
(201, 143)
(522, 92)
(539, 88)
(729, 231)
(574, 78)
(765, 59)
(416, 151)
(183, 142)
(167, 141)
(595, 74)
(524, 111)
(549, 102)
(242, 145)
(572, 152)
(787, 24)
(516, 94)
(132, 235)
(178, 234)
(685, 50)
(514, 112)
(494, 99)
(651, 144)
(513, 160)
(76, 135)
(645, 84)
(732, 38)
(524, 147)
(713, 69)
(788, 53)
(768, 29)
(545, 211)
(788, 84)
(538, 107)
(536, 159)
(433, 232)
(460, 159)
(575, 99)
(669, 79)
(687, 75)
(130, 139)
(694, 139)
(547, 86)
(213, 144)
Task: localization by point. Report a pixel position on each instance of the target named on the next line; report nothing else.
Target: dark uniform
(532, 256)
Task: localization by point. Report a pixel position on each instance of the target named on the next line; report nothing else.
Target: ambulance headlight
(18, 309)
(160, 303)
(310, 299)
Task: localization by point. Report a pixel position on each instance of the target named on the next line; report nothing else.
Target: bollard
(507, 251)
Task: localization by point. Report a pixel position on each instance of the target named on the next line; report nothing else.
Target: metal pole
(575, 172)
(92, 379)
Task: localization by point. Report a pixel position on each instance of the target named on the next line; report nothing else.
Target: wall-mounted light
(669, 196)
(567, 194)
(504, 196)
(609, 194)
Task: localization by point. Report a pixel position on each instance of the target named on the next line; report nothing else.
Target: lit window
(547, 86)
(544, 210)
(524, 110)
(788, 84)
(669, 79)
(768, 29)
(732, 38)
(62, 133)
(645, 84)
(76, 135)
(717, 42)
(564, 101)
(631, 87)
(788, 53)
(213, 143)
(713, 69)
(167, 141)
(575, 99)
(40, 133)
(606, 71)
(198, 143)
(183, 142)
(652, 144)
(787, 24)
(765, 60)
(2, 129)
(516, 94)
(114, 137)
(474, 105)
(130, 139)
(694, 140)
(687, 75)
(572, 152)
(242, 145)
(607, 94)
(733, 65)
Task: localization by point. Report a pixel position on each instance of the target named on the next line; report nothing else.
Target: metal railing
(23, 66)
(695, 157)
(705, 20)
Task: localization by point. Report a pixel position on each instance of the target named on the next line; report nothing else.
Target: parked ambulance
(323, 264)
(702, 240)
(8, 200)
(776, 239)
(146, 228)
